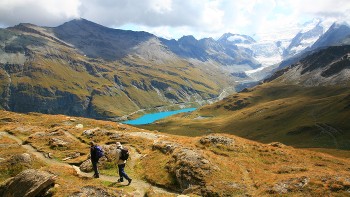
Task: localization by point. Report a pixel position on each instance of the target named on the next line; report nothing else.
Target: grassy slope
(285, 113)
(246, 167)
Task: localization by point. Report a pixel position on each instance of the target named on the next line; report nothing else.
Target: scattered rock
(86, 166)
(93, 191)
(115, 136)
(54, 125)
(37, 135)
(28, 183)
(56, 133)
(277, 144)
(79, 126)
(57, 142)
(95, 132)
(150, 136)
(7, 120)
(44, 134)
(290, 185)
(212, 139)
(23, 159)
(48, 155)
(25, 129)
(165, 146)
(71, 156)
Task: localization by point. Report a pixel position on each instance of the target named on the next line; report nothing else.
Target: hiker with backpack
(122, 155)
(96, 153)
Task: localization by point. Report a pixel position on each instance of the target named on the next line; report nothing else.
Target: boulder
(191, 168)
(86, 166)
(214, 139)
(28, 183)
(290, 185)
(57, 142)
(165, 146)
(94, 132)
(93, 191)
(188, 166)
(277, 144)
(37, 135)
(23, 159)
(79, 126)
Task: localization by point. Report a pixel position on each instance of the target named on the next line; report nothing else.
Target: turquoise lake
(149, 118)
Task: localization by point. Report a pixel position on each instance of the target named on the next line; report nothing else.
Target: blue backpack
(99, 151)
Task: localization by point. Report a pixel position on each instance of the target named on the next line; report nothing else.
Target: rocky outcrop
(165, 146)
(93, 191)
(290, 185)
(215, 140)
(86, 166)
(29, 183)
(189, 166)
(21, 159)
(95, 132)
(58, 143)
(277, 144)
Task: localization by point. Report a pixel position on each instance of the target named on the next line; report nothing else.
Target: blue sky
(174, 18)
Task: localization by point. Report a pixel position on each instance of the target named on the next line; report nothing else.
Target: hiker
(122, 156)
(96, 153)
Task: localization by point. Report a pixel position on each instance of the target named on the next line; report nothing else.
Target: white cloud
(42, 12)
(202, 18)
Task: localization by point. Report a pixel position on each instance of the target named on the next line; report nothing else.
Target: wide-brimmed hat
(118, 144)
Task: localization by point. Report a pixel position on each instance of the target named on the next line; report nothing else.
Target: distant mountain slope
(304, 105)
(97, 41)
(84, 69)
(333, 37)
(206, 49)
(303, 40)
(330, 66)
(336, 35)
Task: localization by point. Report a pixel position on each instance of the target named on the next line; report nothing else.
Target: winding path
(141, 186)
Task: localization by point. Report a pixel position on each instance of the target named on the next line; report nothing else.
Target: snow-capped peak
(236, 39)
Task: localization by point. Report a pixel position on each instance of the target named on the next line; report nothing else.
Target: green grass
(285, 113)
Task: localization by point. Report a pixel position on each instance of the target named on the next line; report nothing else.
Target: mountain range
(105, 73)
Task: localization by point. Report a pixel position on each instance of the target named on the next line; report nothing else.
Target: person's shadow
(116, 184)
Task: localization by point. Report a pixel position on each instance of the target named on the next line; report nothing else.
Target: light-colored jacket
(118, 154)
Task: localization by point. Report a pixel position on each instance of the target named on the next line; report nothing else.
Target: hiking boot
(96, 176)
(120, 180)
(129, 181)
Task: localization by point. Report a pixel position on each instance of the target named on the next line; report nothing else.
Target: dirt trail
(141, 187)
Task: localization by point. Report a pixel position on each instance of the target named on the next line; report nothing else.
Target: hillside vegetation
(305, 105)
(212, 165)
(295, 115)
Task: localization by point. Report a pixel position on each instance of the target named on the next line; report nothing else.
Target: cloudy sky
(174, 18)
